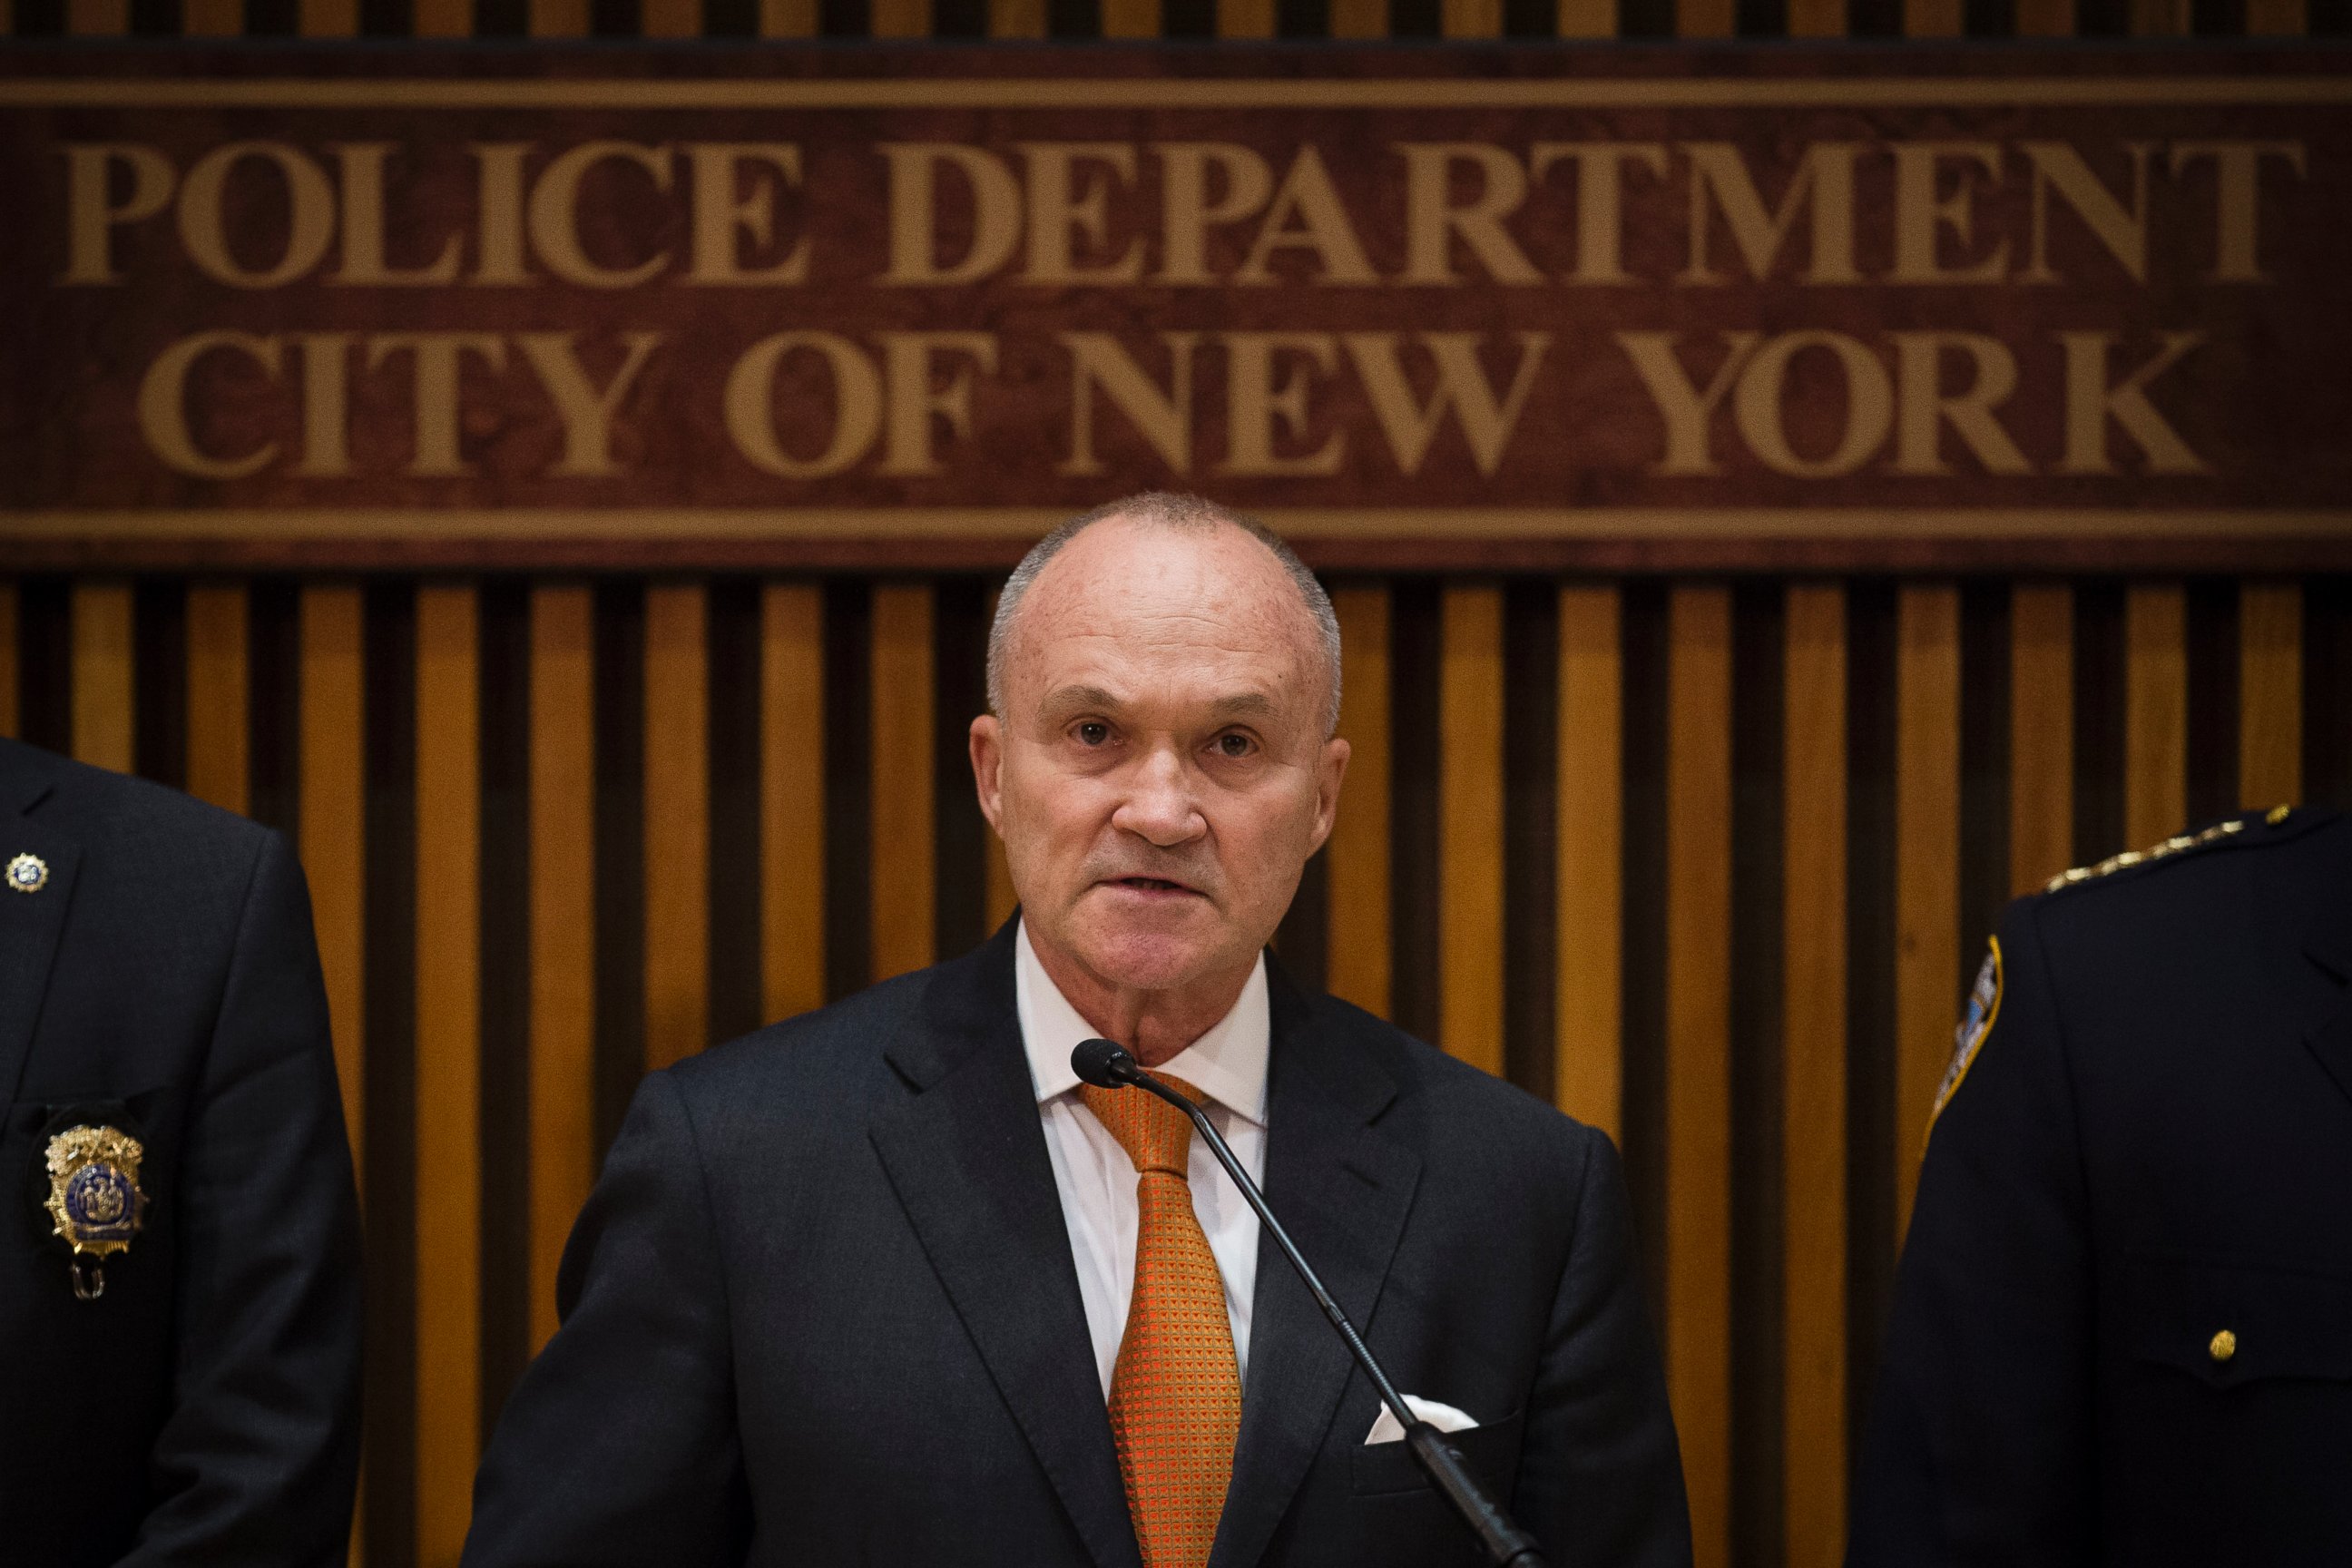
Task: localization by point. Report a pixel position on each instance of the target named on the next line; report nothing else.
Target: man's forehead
(1138, 586)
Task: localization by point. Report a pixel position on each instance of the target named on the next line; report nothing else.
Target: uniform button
(2224, 1346)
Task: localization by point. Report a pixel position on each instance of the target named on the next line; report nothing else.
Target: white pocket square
(1444, 1417)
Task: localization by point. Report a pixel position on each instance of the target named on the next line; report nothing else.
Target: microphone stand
(1506, 1544)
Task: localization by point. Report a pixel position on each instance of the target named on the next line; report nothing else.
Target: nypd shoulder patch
(1976, 1023)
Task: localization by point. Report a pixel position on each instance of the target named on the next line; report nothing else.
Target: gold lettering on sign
(203, 216)
(1187, 212)
(2237, 199)
(1307, 215)
(2092, 402)
(1923, 408)
(586, 412)
(1688, 412)
(1759, 404)
(1162, 419)
(326, 405)
(1719, 182)
(914, 211)
(437, 360)
(91, 213)
(1410, 424)
(364, 255)
(164, 404)
(2057, 167)
(724, 216)
(1065, 205)
(907, 369)
(554, 213)
(1600, 199)
(1255, 404)
(1923, 212)
(498, 186)
(1433, 221)
(749, 404)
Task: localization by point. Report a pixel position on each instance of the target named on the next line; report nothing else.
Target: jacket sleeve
(1978, 1447)
(1601, 1475)
(619, 1446)
(257, 1460)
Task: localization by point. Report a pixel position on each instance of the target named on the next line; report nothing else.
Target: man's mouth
(1150, 885)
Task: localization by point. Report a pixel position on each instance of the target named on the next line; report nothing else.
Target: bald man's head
(1183, 513)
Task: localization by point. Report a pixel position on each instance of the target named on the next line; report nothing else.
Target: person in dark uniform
(179, 1259)
(2122, 1327)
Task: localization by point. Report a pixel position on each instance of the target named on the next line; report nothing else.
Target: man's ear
(1330, 768)
(987, 743)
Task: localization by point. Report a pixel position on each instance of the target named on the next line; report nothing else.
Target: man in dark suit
(2123, 1330)
(886, 1285)
(179, 1288)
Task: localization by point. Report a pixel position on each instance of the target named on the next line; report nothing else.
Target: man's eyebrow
(1240, 703)
(1074, 698)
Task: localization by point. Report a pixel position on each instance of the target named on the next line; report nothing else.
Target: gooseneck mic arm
(1106, 1065)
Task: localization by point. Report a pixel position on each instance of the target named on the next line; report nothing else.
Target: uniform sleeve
(1600, 1476)
(619, 1447)
(1978, 1451)
(258, 1459)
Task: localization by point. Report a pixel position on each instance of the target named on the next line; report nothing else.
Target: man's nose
(1159, 804)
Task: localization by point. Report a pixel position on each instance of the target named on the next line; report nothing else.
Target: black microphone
(1106, 1064)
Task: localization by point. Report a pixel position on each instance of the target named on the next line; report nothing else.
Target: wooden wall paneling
(1357, 967)
(441, 18)
(905, 875)
(1698, 1054)
(2045, 18)
(98, 18)
(331, 822)
(677, 822)
(1130, 19)
(1932, 18)
(2160, 18)
(104, 638)
(899, 18)
(1588, 1069)
(1814, 1080)
(449, 1068)
(1705, 19)
(1017, 19)
(9, 718)
(1470, 18)
(792, 798)
(1359, 18)
(212, 19)
(2156, 712)
(2270, 693)
(1245, 18)
(563, 1042)
(219, 695)
(2278, 18)
(1926, 864)
(2041, 733)
(1470, 832)
(1588, 18)
(676, 18)
(569, 18)
(788, 18)
(327, 19)
(1817, 18)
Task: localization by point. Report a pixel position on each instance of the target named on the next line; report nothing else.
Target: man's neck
(1154, 1026)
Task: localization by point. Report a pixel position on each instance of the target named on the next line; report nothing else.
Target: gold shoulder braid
(2178, 845)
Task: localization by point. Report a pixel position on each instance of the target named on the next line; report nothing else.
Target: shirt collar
(1227, 1063)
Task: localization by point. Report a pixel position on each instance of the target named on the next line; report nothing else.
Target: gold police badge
(95, 1198)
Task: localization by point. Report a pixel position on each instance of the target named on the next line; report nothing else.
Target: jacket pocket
(1490, 1449)
(2230, 1322)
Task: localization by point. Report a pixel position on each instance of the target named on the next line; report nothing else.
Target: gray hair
(1191, 514)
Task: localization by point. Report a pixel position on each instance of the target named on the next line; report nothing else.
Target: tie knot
(1155, 1134)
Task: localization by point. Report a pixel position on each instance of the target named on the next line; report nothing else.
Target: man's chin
(1147, 959)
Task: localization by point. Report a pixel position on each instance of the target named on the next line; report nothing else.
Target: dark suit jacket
(204, 1408)
(820, 1309)
(2153, 1146)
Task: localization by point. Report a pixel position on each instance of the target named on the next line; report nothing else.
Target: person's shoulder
(131, 826)
(2187, 879)
(809, 1062)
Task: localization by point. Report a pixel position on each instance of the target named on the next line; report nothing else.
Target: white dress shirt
(1096, 1179)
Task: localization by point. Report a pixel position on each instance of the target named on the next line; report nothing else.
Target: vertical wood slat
(563, 1042)
(1470, 18)
(905, 893)
(1698, 1054)
(678, 18)
(1470, 830)
(1932, 18)
(1813, 1078)
(1359, 18)
(2270, 693)
(792, 798)
(2156, 711)
(788, 18)
(332, 823)
(8, 678)
(1245, 18)
(441, 18)
(103, 684)
(1588, 18)
(219, 740)
(2160, 18)
(448, 1370)
(901, 18)
(559, 18)
(1587, 1074)
(1705, 19)
(98, 18)
(327, 19)
(1926, 864)
(1816, 18)
(1017, 19)
(212, 19)
(2278, 18)
(677, 822)
(2041, 733)
(1130, 19)
(2045, 18)
(1357, 967)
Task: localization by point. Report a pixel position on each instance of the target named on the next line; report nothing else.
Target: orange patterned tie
(1176, 1392)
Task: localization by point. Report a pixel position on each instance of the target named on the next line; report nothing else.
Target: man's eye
(1093, 732)
(1235, 745)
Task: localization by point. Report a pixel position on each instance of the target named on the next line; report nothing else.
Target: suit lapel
(966, 1154)
(30, 923)
(1342, 1188)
